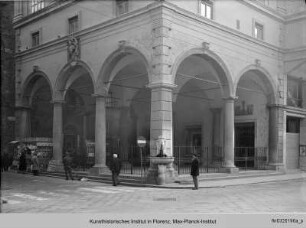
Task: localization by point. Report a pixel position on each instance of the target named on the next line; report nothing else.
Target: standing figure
(67, 165)
(195, 171)
(23, 161)
(35, 164)
(115, 167)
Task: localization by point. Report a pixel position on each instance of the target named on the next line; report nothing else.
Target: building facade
(225, 78)
(7, 76)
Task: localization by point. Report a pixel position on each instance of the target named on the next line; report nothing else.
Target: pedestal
(277, 167)
(229, 170)
(55, 166)
(98, 170)
(161, 171)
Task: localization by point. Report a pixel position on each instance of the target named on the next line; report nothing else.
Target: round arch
(29, 85)
(268, 79)
(226, 79)
(64, 79)
(115, 58)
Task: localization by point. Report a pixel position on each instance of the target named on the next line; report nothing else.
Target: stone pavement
(30, 194)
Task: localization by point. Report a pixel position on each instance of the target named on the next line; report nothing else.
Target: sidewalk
(242, 178)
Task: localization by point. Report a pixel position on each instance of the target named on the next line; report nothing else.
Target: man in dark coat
(195, 171)
(67, 165)
(115, 167)
(23, 161)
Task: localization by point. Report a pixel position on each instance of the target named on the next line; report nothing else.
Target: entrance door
(244, 144)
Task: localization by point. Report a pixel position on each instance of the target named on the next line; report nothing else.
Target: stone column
(56, 162)
(24, 115)
(274, 157)
(161, 126)
(100, 137)
(161, 117)
(216, 136)
(229, 136)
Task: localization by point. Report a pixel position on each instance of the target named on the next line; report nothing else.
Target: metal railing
(251, 157)
(211, 158)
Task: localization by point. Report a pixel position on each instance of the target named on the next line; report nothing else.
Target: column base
(99, 170)
(55, 166)
(229, 170)
(277, 167)
(161, 174)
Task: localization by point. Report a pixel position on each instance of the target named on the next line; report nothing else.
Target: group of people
(27, 157)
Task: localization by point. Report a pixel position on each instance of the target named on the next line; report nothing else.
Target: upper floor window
(121, 6)
(37, 5)
(293, 125)
(206, 7)
(35, 39)
(294, 92)
(73, 24)
(258, 31)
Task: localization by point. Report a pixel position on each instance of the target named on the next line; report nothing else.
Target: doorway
(245, 145)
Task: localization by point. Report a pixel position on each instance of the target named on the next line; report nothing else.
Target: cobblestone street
(29, 194)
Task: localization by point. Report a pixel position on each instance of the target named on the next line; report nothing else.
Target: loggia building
(226, 79)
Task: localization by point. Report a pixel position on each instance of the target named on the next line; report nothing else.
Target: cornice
(296, 17)
(220, 27)
(60, 42)
(264, 9)
(42, 13)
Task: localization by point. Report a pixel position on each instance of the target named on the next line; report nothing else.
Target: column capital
(58, 102)
(22, 107)
(161, 85)
(99, 95)
(230, 98)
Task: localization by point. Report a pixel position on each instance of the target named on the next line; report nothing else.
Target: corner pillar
(275, 156)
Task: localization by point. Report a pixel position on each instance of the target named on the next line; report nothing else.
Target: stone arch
(30, 86)
(267, 79)
(64, 79)
(116, 58)
(226, 78)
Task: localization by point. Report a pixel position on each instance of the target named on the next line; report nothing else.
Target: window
(206, 9)
(73, 24)
(294, 92)
(258, 31)
(37, 5)
(35, 39)
(121, 6)
(293, 125)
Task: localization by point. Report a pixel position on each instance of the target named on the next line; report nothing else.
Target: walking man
(67, 165)
(195, 171)
(115, 167)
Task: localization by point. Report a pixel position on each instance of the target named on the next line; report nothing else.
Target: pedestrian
(35, 164)
(195, 171)
(115, 167)
(6, 161)
(67, 165)
(23, 161)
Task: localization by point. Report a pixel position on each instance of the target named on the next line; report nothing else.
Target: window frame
(205, 4)
(257, 24)
(37, 5)
(296, 97)
(35, 42)
(75, 21)
(124, 3)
